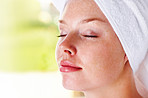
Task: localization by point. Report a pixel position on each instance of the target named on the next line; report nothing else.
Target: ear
(125, 59)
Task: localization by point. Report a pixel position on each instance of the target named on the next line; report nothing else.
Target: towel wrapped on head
(129, 19)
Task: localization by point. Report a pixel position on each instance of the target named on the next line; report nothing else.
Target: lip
(67, 66)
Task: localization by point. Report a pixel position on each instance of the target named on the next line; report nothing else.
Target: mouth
(67, 66)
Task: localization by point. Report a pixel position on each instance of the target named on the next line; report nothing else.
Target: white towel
(129, 19)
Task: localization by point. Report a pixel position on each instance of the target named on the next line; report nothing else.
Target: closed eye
(61, 35)
(90, 36)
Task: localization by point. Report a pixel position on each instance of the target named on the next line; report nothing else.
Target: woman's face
(88, 53)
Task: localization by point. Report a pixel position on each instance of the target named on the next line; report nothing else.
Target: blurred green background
(28, 30)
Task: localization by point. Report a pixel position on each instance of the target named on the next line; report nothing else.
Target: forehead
(82, 9)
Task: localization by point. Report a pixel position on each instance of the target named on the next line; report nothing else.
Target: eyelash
(61, 35)
(89, 36)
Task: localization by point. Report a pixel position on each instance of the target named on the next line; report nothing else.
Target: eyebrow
(92, 19)
(62, 22)
(85, 20)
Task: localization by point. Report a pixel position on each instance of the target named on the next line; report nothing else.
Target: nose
(68, 46)
(70, 50)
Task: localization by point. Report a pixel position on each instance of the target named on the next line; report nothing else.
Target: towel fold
(129, 19)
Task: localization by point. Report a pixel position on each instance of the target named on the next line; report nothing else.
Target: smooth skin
(88, 41)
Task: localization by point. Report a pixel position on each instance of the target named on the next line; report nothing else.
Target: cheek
(57, 53)
(103, 62)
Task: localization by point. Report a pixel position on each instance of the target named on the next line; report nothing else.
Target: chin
(74, 88)
(73, 85)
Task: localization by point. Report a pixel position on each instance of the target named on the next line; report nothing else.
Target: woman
(102, 50)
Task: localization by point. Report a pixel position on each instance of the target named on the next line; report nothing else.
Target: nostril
(67, 51)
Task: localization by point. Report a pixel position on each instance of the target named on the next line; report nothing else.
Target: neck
(123, 87)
